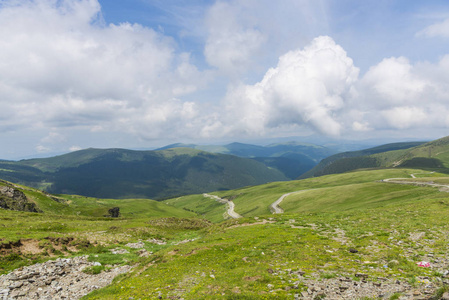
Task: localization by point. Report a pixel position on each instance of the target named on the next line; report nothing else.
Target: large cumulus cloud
(319, 87)
(307, 87)
(396, 94)
(62, 66)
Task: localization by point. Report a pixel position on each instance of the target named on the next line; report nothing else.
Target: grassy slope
(431, 156)
(200, 205)
(378, 219)
(93, 207)
(351, 160)
(231, 262)
(254, 201)
(81, 218)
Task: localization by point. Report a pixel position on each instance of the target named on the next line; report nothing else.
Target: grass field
(256, 200)
(233, 260)
(391, 226)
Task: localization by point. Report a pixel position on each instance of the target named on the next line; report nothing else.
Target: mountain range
(351, 235)
(173, 170)
(182, 169)
(432, 155)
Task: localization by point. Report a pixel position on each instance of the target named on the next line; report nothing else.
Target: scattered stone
(353, 250)
(57, 279)
(445, 296)
(156, 241)
(119, 251)
(144, 253)
(184, 242)
(138, 245)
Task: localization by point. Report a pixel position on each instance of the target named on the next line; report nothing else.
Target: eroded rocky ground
(56, 279)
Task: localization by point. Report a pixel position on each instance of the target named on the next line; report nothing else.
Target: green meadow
(205, 256)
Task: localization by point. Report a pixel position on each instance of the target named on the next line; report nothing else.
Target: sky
(140, 74)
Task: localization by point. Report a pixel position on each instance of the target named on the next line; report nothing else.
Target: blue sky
(145, 73)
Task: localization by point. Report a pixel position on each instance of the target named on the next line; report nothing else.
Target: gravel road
(231, 206)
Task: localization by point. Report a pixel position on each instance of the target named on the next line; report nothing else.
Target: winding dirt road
(418, 183)
(276, 209)
(231, 206)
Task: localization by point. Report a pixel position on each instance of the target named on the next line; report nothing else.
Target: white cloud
(75, 148)
(244, 38)
(42, 149)
(393, 81)
(360, 126)
(436, 30)
(61, 66)
(318, 87)
(53, 137)
(405, 117)
(396, 94)
(308, 87)
(231, 45)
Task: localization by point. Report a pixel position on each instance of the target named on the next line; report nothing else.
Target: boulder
(14, 199)
(114, 212)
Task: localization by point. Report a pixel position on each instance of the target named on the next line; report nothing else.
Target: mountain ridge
(388, 155)
(123, 173)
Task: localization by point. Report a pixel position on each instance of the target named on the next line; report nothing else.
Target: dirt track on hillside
(231, 206)
(276, 209)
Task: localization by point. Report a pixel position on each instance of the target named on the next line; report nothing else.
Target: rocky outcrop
(357, 286)
(14, 199)
(114, 212)
(58, 279)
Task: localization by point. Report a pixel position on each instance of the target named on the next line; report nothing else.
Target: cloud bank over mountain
(65, 70)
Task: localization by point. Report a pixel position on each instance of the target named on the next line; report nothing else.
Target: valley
(353, 235)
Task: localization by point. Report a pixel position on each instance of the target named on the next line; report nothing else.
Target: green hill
(93, 207)
(309, 151)
(342, 227)
(346, 236)
(291, 158)
(120, 173)
(352, 160)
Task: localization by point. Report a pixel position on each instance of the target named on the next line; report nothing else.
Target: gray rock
(14, 199)
(60, 279)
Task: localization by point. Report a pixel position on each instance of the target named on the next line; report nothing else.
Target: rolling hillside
(291, 158)
(340, 235)
(119, 173)
(67, 205)
(312, 152)
(352, 160)
(347, 236)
